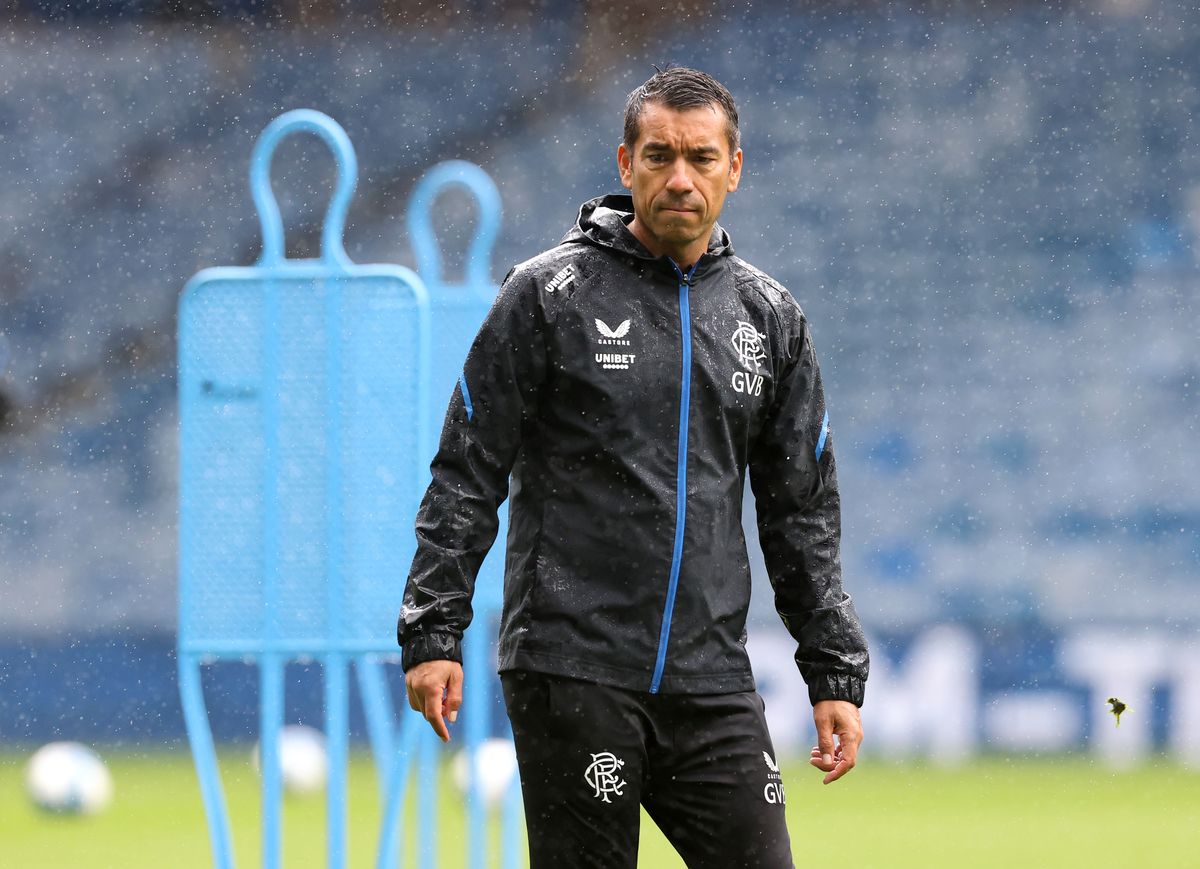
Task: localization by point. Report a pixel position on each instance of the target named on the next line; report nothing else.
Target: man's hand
(435, 690)
(840, 717)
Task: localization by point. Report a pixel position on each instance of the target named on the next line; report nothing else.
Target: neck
(684, 257)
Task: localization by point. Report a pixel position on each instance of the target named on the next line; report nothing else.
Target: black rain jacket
(626, 400)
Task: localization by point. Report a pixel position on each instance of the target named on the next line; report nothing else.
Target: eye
(657, 158)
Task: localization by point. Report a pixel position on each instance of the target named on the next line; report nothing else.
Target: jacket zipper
(685, 396)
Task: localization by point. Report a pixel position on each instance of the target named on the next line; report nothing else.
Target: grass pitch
(992, 813)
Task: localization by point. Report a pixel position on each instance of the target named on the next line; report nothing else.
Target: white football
(496, 766)
(303, 761)
(68, 778)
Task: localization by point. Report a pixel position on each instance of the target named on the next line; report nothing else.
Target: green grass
(992, 813)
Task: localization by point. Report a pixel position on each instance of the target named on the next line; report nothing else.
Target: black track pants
(702, 765)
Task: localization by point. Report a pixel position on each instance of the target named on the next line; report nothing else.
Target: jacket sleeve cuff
(837, 686)
(419, 648)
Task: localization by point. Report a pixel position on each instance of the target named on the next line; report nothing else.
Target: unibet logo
(616, 360)
(561, 280)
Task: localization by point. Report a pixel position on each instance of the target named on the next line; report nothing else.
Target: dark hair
(679, 87)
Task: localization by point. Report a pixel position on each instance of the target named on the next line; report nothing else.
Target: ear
(735, 170)
(625, 166)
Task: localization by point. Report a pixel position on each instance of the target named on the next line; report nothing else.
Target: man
(626, 379)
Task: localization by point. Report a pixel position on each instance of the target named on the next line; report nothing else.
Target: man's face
(679, 171)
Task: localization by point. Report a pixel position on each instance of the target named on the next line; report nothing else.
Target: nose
(681, 179)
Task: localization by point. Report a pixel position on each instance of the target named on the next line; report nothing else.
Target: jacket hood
(605, 220)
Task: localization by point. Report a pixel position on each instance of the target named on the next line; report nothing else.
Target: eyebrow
(703, 150)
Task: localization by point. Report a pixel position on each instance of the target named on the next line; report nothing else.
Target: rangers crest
(604, 775)
(748, 342)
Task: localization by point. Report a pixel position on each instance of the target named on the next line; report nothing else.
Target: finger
(414, 701)
(454, 694)
(843, 766)
(825, 740)
(848, 746)
(433, 714)
(820, 764)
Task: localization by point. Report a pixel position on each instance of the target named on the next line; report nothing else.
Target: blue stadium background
(992, 219)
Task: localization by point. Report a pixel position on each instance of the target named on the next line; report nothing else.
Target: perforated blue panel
(302, 468)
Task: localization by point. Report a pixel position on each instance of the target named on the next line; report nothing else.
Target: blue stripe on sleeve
(466, 394)
(824, 434)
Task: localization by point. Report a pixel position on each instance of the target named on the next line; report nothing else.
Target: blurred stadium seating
(984, 214)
